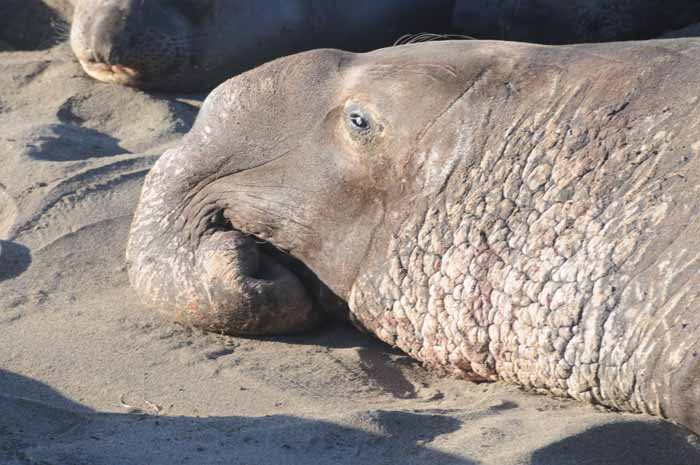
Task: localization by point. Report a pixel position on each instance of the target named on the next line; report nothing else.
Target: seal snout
(100, 42)
(129, 42)
(106, 72)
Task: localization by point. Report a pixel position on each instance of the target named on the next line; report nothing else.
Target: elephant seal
(190, 45)
(496, 210)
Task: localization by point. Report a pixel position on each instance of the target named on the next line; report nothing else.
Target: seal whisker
(429, 37)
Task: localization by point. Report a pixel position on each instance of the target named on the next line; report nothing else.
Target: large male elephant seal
(498, 210)
(191, 45)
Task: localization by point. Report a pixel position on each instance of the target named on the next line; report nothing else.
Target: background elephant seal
(528, 222)
(191, 45)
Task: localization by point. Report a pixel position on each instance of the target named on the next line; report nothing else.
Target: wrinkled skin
(496, 210)
(189, 45)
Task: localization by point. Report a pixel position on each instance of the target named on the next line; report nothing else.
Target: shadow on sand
(14, 260)
(628, 443)
(38, 425)
(32, 24)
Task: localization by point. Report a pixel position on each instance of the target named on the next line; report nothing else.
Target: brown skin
(496, 210)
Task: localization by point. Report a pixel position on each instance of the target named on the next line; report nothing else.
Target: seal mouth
(323, 299)
(113, 74)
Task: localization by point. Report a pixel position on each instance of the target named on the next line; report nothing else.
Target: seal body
(189, 45)
(528, 222)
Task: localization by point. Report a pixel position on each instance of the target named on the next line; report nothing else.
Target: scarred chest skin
(560, 249)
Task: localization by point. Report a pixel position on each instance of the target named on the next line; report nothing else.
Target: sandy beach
(89, 376)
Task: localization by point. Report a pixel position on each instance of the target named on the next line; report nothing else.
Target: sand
(90, 376)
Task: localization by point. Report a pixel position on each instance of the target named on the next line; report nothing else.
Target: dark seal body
(190, 45)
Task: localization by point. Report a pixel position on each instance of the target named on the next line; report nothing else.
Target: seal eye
(358, 120)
